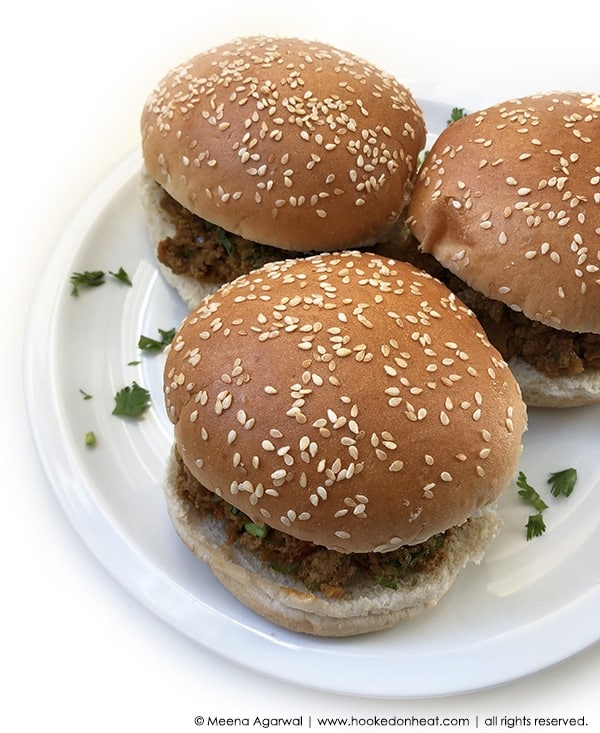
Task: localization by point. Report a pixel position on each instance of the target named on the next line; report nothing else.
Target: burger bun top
(508, 199)
(290, 143)
(347, 400)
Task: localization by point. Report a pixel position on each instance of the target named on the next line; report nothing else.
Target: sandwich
(506, 211)
(342, 432)
(270, 148)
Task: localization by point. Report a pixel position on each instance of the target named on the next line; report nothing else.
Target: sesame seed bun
(366, 607)
(288, 143)
(508, 199)
(346, 400)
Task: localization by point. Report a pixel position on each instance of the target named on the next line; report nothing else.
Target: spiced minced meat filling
(207, 252)
(319, 569)
(210, 254)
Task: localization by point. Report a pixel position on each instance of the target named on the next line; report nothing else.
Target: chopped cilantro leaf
(256, 530)
(563, 482)
(222, 237)
(85, 395)
(386, 582)
(527, 492)
(93, 278)
(535, 526)
(456, 114)
(90, 439)
(122, 276)
(131, 401)
(87, 279)
(149, 344)
(285, 569)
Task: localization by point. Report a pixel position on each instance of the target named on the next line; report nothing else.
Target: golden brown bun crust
(509, 200)
(290, 143)
(347, 400)
(283, 601)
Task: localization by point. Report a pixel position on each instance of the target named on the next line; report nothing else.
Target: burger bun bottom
(538, 390)
(287, 603)
(160, 226)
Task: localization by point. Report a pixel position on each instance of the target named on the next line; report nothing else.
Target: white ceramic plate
(528, 606)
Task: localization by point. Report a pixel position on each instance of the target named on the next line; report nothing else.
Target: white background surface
(79, 654)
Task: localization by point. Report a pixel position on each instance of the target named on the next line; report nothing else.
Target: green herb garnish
(285, 569)
(87, 279)
(131, 401)
(93, 278)
(90, 439)
(122, 276)
(456, 114)
(256, 530)
(527, 492)
(149, 344)
(563, 482)
(222, 237)
(535, 523)
(386, 582)
(85, 395)
(421, 158)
